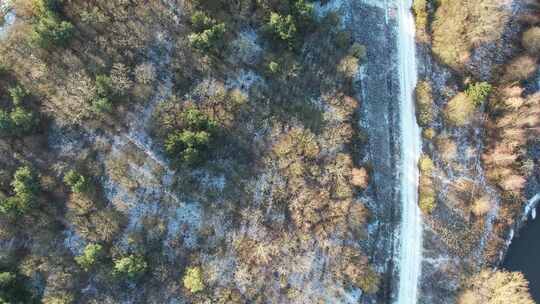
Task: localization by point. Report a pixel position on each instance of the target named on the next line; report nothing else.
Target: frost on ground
(74, 242)
(245, 48)
(8, 18)
(343, 7)
(149, 198)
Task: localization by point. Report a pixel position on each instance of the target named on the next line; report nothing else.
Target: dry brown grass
(460, 110)
(481, 206)
(461, 25)
(531, 40)
(424, 103)
(427, 198)
(521, 68)
(421, 15)
(360, 177)
(447, 149)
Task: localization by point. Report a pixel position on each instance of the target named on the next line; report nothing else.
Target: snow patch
(243, 80)
(322, 10)
(410, 256)
(185, 221)
(9, 18)
(74, 242)
(245, 48)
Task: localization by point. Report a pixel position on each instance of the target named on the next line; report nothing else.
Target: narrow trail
(410, 255)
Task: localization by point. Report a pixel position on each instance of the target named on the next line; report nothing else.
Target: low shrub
(429, 133)
(210, 39)
(90, 256)
(19, 121)
(283, 27)
(208, 34)
(424, 103)
(348, 66)
(193, 279)
(478, 92)
(460, 110)
(13, 289)
(17, 94)
(190, 143)
(273, 67)
(531, 40)
(460, 25)
(51, 31)
(102, 105)
(420, 14)
(519, 69)
(427, 199)
(358, 51)
(481, 206)
(77, 182)
(23, 121)
(200, 21)
(131, 266)
(26, 187)
(360, 177)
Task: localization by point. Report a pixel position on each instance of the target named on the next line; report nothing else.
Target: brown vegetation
(460, 110)
(461, 25)
(427, 196)
(491, 287)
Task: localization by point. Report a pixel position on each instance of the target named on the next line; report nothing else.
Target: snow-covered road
(411, 221)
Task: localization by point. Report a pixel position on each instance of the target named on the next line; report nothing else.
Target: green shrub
(343, 39)
(478, 92)
(17, 94)
(13, 290)
(5, 123)
(273, 67)
(22, 121)
(187, 146)
(283, 27)
(47, 6)
(303, 13)
(77, 182)
(18, 122)
(209, 39)
(91, 254)
(193, 279)
(25, 186)
(25, 183)
(102, 105)
(6, 278)
(51, 31)
(190, 143)
(200, 21)
(132, 266)
(358, 50)
(104, 86)
(194, 119)
(424, 103)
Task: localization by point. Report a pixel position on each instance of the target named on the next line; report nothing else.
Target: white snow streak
(8, 15)
(411, 224)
